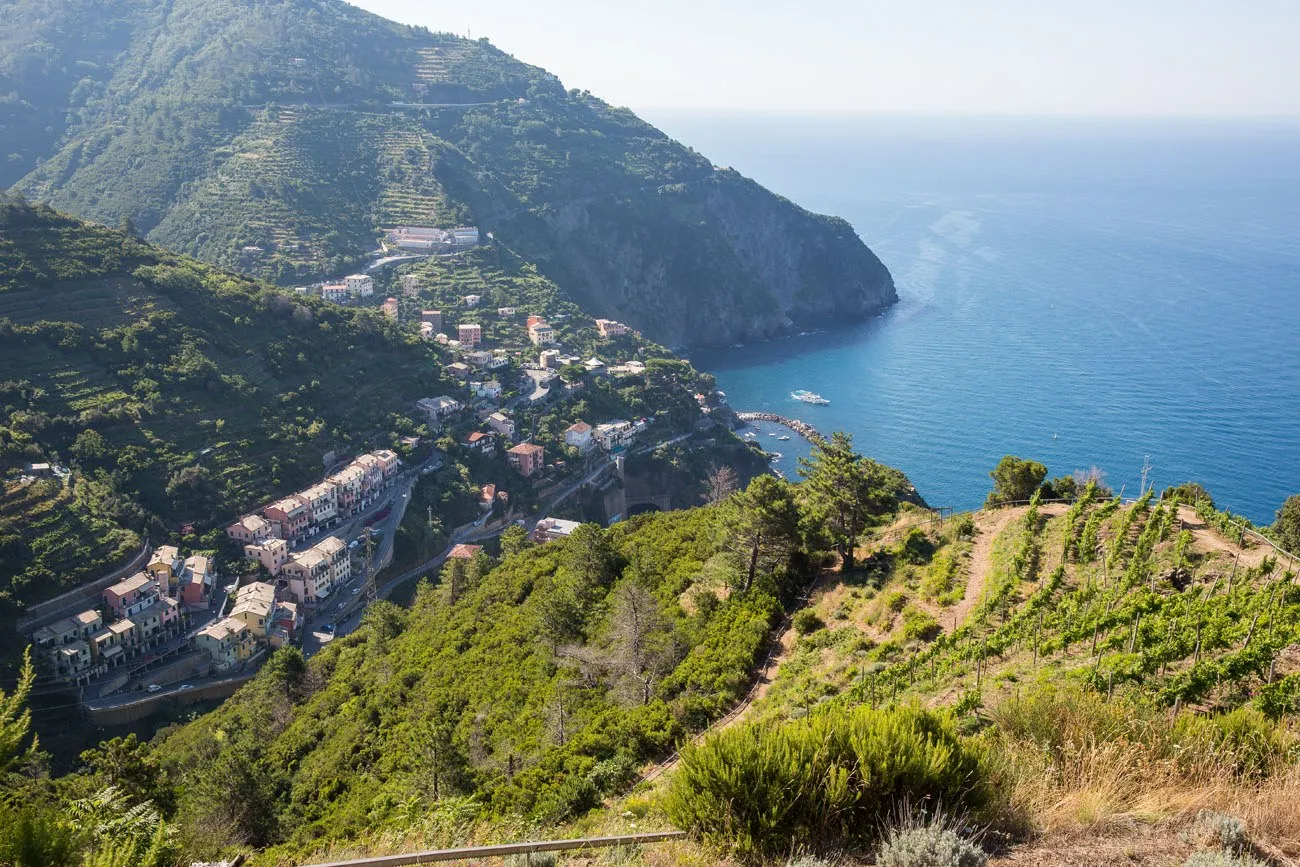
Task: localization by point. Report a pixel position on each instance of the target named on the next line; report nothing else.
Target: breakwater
(802, 428)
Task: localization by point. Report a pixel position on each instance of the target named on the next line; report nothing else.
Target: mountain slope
(232, 124)
(178, 393)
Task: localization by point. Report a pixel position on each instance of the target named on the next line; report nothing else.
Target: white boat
(806, 396)
(771, 433)
(783, 438)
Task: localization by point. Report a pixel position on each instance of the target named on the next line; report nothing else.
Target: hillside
(266, 136)
(176, 392)
(525, 706)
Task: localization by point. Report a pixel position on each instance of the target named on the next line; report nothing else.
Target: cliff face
(717, 261)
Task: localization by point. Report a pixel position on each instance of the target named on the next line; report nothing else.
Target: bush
(1213, 830)
(829, 778)
(1222, 859)
(929, 845)
(919, 626)
(807, 621)
(808, 861)
(532, 859)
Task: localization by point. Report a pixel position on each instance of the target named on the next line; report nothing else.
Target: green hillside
(302, 128)
(177, 393)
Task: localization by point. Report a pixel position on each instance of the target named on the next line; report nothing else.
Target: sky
(1103, 57)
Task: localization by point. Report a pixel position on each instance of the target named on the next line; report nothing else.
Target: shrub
(928, 845)
(831, 777)
(916, 548)
(1213, 830)
(808, 861)
(532, 859)
(1222, 859)
(919, 626)
(807, 621)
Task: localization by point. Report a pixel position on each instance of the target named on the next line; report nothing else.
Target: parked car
(328, 627)
(153, 687)
(354, 543)
(187, 686)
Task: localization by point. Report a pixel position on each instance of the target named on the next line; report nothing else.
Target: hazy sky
(924, 56)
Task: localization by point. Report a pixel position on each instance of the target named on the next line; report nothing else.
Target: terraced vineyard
(1143, 597)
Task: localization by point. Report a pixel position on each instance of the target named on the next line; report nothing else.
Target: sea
(1110, 293)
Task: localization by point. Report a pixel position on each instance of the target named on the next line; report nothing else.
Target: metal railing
(504, 850)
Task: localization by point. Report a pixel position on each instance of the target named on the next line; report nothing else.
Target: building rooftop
(87, 618)
(138, 581)
(578, 427)
(526, 449)
(464, 552)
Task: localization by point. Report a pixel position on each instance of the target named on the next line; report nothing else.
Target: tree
(514, 540)
(16, 718)
(763, 528)
(1287, 525)
(454, 578)
(722, 483)
(640, 640)
(588, 559)
(127, 766)
(842, 491)
(1014, 480)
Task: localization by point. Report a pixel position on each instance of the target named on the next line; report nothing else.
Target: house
(477, 359)
(459, 370)
(389, 462)
(527, 458)
(464, 552)
(549, 359)
(135, 594)
(424, 238)
(609, 328)
(285, 623)
(631, 368)
(361, 285)
(465, 236)
(594, 365)
(479, 441)
(165, 567)
(313, 574)
(490, 389)
(550, 529)
(541, 334)
(41, 470)
(228, 642)
(290, 515)
(250, 528)
(254, 607)
(436, 409)
(470, 334)
(502, 423)
(390, 308)
(614, 435)
(426, 331)
(433, 318)
(410, 285)
(472, 300)
(578, 435)
(507, 312)
(487, 495)
(198, 579)
(534, 319)
(335, 293)
(322, 504)
(271, 553)
(349, 489)
(160, 620)
(496, 362)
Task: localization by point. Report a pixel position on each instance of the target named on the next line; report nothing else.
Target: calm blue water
(1132, 288)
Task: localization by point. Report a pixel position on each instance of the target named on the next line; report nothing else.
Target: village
(302, 548)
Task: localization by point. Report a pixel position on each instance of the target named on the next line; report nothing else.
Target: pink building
(133, 595)
(527, 458)
(469, 334)
(250, 528)
(271, 553)
(291, 515)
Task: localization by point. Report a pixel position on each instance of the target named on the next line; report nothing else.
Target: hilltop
(282, 138)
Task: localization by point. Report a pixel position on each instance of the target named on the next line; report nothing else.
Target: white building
(410, 285)
(438, 408)
(502, 424)
(361, 285)
(614, 434)
(550, 529)
(335, 293)
(490, 389)
(472, 300)
(465, 236)
(578, 435)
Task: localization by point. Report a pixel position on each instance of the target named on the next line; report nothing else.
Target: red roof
(464, 552)
(526, 449)
(578, 427)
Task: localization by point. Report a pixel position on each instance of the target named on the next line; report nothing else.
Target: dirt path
(1207, 538)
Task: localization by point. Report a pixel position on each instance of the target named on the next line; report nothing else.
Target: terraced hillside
(177, 393)
(1145, 598)
(282, 137)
